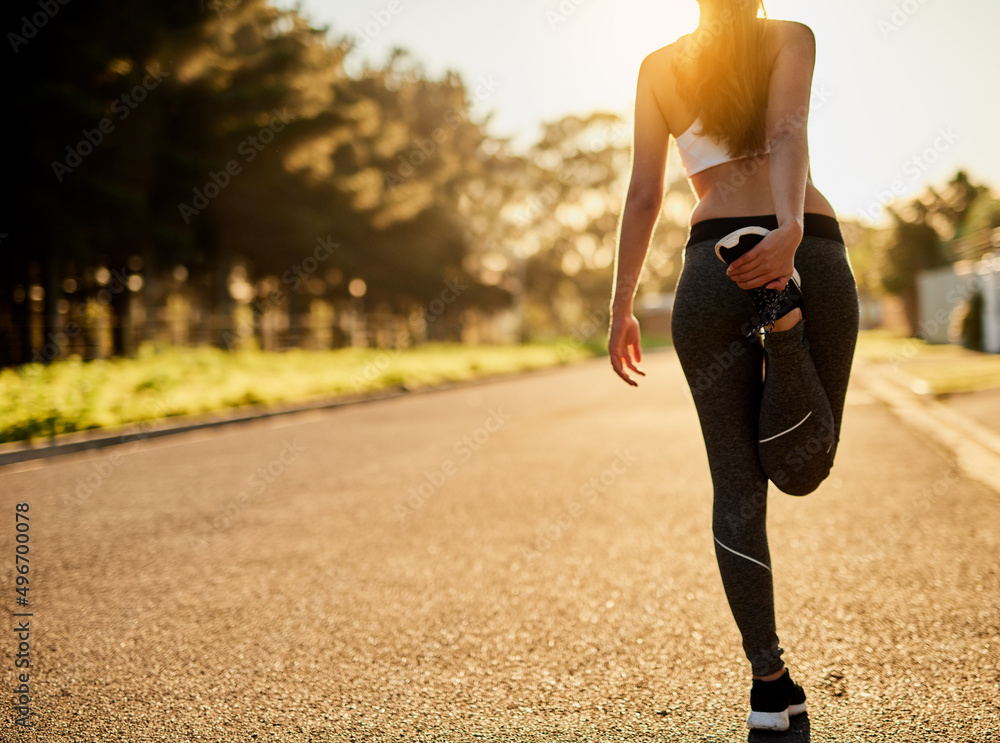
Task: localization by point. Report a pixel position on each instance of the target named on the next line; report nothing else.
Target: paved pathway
(524, 560)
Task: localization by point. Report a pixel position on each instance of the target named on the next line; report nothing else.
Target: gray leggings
(766, 414)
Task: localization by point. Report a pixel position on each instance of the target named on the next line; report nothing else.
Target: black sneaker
(771, 304)
(773, 702)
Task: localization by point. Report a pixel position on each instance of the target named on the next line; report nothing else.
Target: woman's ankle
(774, 676)
(787, 322)
(790, 341)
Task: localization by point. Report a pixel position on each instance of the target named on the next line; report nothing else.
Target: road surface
(523, 560)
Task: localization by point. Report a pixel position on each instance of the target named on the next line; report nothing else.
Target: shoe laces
(768, 303)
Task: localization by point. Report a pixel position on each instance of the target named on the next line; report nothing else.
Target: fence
(92, 331)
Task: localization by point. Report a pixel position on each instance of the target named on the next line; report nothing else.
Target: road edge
(18, 452)
(975, 447)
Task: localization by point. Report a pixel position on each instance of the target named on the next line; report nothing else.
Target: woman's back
(739, 187)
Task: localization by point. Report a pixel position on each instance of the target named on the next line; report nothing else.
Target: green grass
(884, 345)
(935, 369)
(72, 395)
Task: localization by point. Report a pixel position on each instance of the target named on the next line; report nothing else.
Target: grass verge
(67, 396)
(931, 369)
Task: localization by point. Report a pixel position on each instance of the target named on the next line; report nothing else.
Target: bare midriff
(742, 188)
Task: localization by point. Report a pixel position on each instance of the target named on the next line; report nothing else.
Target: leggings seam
(787, 430)
(740, 554)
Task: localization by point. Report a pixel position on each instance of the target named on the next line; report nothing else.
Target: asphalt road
(525, 560)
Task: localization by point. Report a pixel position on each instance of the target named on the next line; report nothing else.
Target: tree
(76, 79)
(928, 233)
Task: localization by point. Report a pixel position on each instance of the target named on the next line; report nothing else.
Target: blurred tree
(416, 155)
(928, 233)
(563, 213)
(69, 201)
(976, 234)
(915, 247)
(983, 214)
(948, 208)
(256, 103)
(219, 146)
(866, 246)
(223, 135)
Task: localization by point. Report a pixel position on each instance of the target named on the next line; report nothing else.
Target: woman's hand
(623, 345)
(771, 261)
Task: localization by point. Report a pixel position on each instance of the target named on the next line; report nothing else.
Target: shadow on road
(797, 733)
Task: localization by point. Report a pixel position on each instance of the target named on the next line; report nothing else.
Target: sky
(905, 92)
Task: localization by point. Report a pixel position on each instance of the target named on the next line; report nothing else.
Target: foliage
(45, 400)
(923, 227)
(226, 137)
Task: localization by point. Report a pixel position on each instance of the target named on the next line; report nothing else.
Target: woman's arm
(642, 208)
(771, 262)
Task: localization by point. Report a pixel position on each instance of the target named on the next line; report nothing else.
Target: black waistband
(815, 225)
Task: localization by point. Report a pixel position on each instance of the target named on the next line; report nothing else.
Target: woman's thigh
(830, 309)
(723, 368)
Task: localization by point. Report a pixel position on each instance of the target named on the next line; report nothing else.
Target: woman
(769, 388)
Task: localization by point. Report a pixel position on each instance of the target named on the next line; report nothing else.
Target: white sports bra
(699, 152)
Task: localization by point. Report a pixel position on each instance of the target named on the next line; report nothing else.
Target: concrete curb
(101, 438)
(976, 448)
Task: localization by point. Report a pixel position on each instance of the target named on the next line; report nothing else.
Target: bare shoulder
(660, 60)
(791, 33)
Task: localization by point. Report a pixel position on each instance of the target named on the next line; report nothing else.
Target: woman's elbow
(644, 200)
(787, 138)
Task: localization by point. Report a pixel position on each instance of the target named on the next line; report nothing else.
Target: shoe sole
(733, 239)
(774, 720)
(768, 720)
